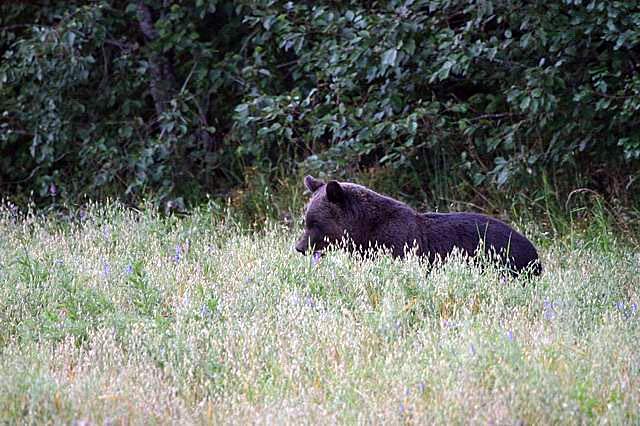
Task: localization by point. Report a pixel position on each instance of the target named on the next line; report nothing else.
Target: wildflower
(128, 269)
(629, 311)
(421, 387)
(53, 190)
(205, 312)
(294, 299)
(106, 232)
(510, 335)
(106, 269)
(58, 262)
(549, 310)
(178, 255)
(315, 258)
(472, 349)
(450, 324)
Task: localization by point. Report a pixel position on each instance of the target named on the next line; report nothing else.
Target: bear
(339, 210)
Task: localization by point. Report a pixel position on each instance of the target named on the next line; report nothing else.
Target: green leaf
(389, 57)
(71, 38)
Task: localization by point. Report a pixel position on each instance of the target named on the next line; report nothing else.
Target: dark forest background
(480, 102)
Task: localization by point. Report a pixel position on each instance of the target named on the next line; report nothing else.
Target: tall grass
(127, 317)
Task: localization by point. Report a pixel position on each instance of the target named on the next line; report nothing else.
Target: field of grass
(125, 317)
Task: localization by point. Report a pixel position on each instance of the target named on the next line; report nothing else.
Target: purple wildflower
(205, 312)
(186, 300)
(178, 255)
(627, 311)
(451, 324)
(128, 269)
(53, 190)
(510, 335)
(549, 310)
(472, 349)
(315, 258)
(106, 269)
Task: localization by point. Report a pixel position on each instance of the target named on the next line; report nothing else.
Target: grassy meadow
(123, 317)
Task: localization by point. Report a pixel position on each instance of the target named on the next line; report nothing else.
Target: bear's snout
(308, 244)
(302, 245)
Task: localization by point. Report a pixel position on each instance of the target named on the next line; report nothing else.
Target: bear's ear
(312, 183)
(335, 192)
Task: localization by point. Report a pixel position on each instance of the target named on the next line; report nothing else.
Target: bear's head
(327, 215)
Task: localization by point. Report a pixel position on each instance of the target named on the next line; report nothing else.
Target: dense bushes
(176, 100)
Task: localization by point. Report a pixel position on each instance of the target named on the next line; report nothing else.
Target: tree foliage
(182, 98)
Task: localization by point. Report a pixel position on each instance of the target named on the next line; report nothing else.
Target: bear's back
(442, 232)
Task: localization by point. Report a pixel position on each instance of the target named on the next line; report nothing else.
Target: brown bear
(367, 219)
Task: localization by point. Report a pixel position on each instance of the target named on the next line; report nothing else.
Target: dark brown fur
(368, 219)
